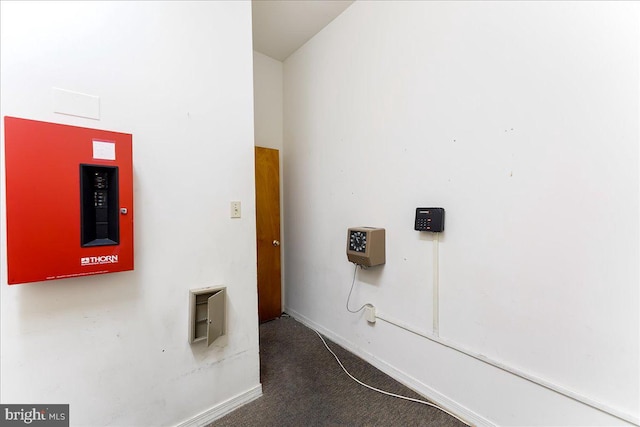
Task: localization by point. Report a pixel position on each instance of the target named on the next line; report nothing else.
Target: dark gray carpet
(303, 385)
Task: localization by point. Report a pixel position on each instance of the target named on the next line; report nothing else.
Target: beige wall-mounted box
(366, 246)
(207, 314)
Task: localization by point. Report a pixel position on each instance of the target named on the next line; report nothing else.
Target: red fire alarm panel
(69, 201)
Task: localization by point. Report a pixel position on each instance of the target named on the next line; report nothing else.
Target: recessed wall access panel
(207, 314)
(69, 201)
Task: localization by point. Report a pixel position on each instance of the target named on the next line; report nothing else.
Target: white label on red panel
(104, 150)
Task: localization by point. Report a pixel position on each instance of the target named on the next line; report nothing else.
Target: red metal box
(69, 201)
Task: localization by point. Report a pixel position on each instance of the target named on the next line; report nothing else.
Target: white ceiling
(280, 27)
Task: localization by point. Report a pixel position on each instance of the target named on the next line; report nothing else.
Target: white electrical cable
(353, 282)
(424, 402)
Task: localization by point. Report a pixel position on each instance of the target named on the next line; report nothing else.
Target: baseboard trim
(222, 409)
(400, 376)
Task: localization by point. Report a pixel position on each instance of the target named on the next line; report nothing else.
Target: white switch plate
(235, 210)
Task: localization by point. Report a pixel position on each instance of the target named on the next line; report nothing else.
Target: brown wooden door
(268, 233)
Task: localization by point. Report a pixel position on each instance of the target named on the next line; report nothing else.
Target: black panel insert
(99, 217)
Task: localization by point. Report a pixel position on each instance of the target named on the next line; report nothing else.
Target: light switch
(235, 210)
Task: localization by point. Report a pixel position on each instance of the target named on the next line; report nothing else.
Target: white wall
(521, 119)
(267, 98)
(268, 122)
(178, 76)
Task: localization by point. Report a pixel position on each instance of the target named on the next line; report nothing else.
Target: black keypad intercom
(99, 206)
(429, 219)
